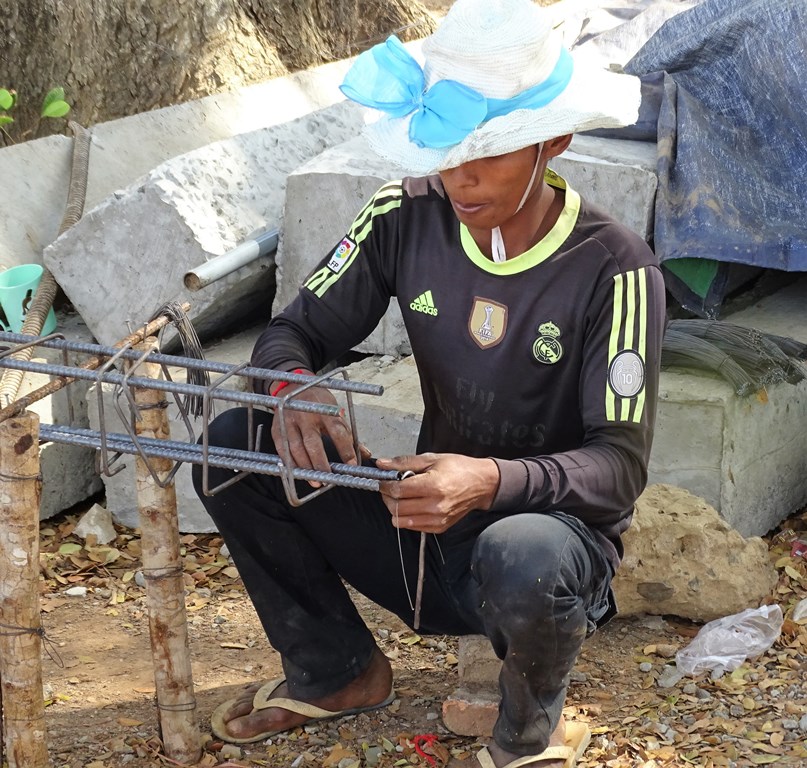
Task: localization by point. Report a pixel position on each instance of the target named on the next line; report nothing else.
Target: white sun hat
(495, 78)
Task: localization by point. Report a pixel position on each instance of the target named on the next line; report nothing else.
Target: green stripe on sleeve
(630, 320)
(613, 344)
(642, 344)
(359, 237)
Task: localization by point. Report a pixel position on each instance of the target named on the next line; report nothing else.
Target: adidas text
(425, 304)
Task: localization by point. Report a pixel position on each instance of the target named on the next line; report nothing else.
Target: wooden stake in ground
(20, 627)
(165, 593)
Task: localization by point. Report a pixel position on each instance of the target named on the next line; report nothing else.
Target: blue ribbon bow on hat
(389, 79)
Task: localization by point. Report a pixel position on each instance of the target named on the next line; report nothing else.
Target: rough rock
(477, 661)
(97, 522)
(682, 559)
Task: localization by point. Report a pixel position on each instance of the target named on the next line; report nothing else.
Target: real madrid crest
(488, 322)
(547, 347)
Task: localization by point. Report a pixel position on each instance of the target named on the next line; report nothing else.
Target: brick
(477, 661)
(471, 711)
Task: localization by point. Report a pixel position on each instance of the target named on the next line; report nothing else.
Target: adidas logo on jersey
(425, 304)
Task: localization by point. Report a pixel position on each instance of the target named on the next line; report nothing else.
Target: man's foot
(501, 757)
(370, 689)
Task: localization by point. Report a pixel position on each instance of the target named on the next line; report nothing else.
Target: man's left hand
(445, 488)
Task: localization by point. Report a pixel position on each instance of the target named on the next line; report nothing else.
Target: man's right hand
(305, 432)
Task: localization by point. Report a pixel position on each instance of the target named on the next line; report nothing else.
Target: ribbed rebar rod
(22, 404)
(338, 468)
(176, 387)
(343, 385)
(192, 454)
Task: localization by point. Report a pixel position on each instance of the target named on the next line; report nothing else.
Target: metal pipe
(266, 374)
(223, 265)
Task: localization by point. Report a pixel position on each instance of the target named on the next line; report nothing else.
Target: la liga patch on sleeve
(341, 254)
(626, 374)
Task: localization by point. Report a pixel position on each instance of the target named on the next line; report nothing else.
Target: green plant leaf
(54, 94)
(5, 120)
(6, 99)
(56, 109)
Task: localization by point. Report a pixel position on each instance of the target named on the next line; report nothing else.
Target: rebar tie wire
(240, 462)
(47, 643)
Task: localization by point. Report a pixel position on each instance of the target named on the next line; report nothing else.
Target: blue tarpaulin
(732, 139)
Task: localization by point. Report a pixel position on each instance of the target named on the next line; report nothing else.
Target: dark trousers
(534, 583)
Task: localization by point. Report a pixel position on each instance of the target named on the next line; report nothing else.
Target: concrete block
(477, 661)
(346, 177)
(746, 456)
(68, 472)
(471, 711)
(127, 257)
(388, 431)
(617, 175)
(121, 496)
(124, 150)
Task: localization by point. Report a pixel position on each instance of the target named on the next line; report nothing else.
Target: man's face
(485, 193)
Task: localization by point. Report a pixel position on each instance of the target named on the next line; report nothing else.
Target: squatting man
(535, 321)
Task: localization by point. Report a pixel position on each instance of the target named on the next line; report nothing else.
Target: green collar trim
(543, 249)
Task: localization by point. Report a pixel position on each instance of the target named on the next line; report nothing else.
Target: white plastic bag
(724, 644)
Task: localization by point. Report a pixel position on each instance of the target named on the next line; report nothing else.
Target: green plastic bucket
(17, 288)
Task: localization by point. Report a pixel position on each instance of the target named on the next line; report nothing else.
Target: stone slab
(346, 177)
(617, 175)
(390, 430)
(388, 425)
(127, 257)
(68, 472)
(747, 457)
(125, 149)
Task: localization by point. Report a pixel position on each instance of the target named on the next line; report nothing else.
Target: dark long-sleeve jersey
(547, 363)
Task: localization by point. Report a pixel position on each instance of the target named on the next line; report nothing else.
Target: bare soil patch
(101, 711)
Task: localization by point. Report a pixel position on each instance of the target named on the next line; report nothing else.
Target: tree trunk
(120, 57)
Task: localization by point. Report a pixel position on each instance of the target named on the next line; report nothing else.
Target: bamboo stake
(165, 595)
(20, 626)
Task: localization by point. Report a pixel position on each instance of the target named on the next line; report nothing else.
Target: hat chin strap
(496, 240)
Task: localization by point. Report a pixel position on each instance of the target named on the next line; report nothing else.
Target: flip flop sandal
(263, 700)
(577, 738)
